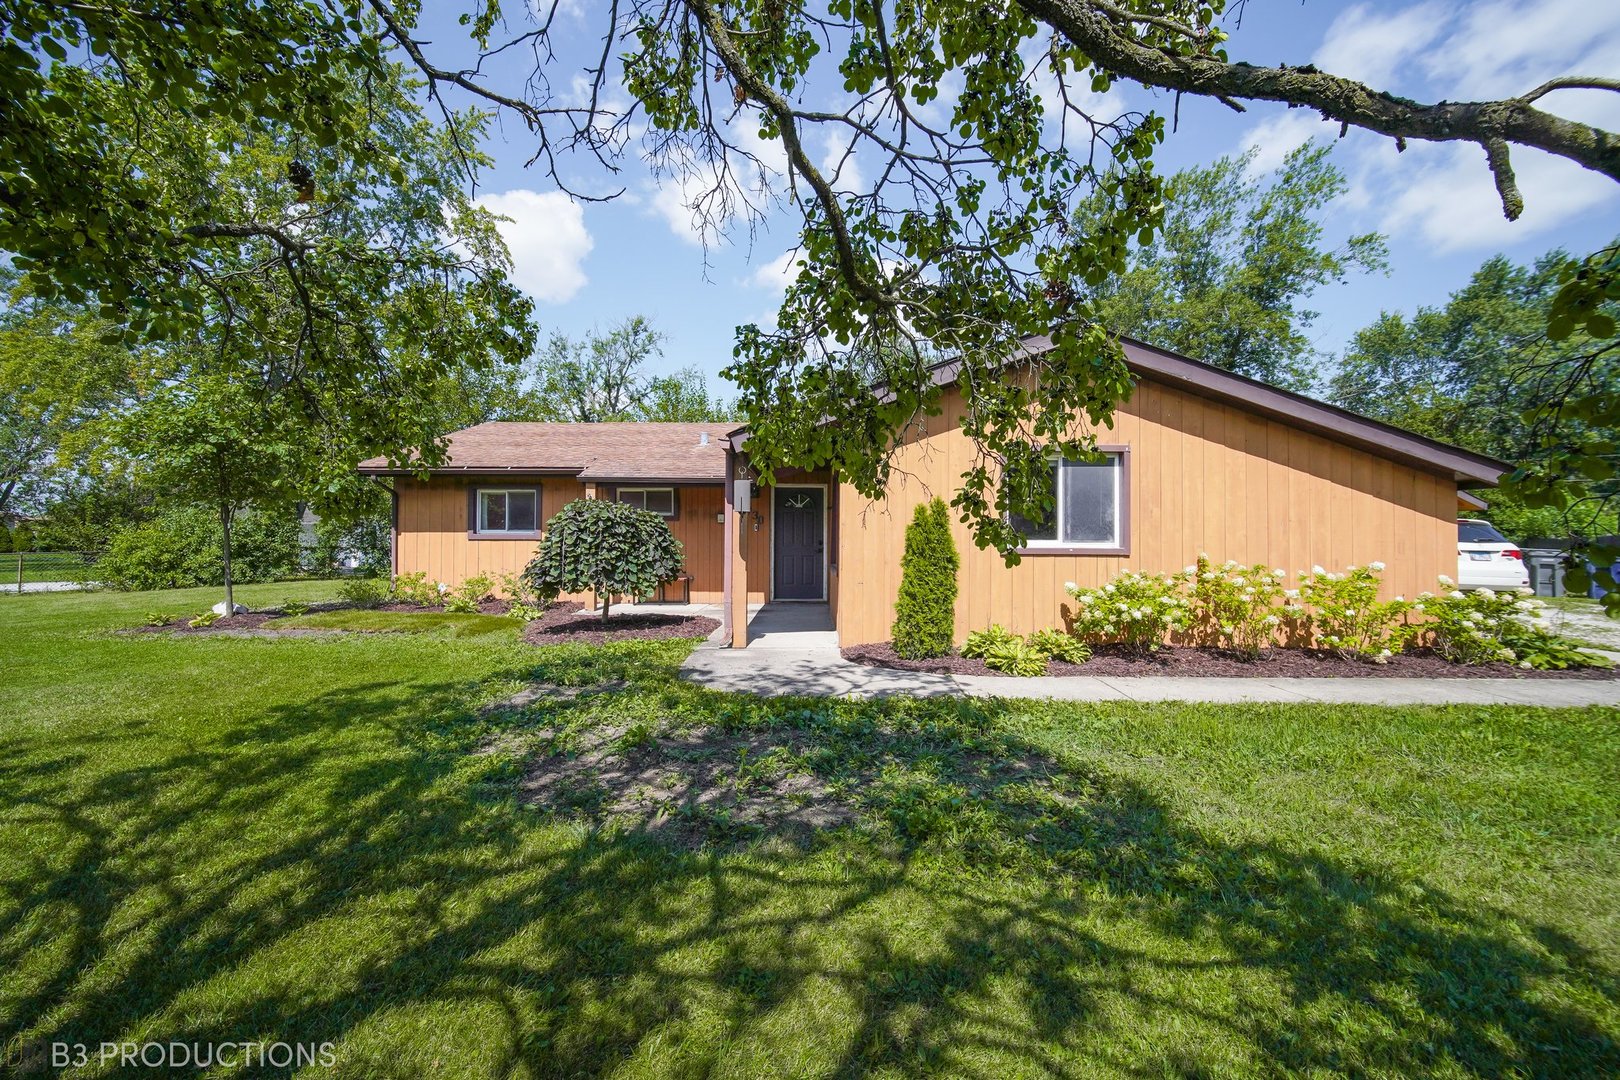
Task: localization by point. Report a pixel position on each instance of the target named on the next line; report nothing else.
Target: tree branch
(1089, 26)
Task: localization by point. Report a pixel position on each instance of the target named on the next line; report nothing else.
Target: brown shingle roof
(600, 452)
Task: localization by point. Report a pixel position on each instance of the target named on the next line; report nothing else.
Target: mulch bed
(253, 620)
(565, 624)
(1207, 662)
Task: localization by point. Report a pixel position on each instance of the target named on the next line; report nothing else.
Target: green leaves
(604, 547)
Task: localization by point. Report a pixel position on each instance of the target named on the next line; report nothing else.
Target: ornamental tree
(607, 547)
(953, 235)
(925, 612)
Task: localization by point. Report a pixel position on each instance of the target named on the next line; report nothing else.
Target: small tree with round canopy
(607, 547)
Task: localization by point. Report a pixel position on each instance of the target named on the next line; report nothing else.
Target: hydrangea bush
(1346, 615)
(1135, 610)
(1483, 626)
(1236, 606)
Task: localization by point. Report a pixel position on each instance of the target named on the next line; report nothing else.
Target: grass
(439, 623)
(229, 839)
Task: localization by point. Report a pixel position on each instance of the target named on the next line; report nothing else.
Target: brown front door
(800, 558)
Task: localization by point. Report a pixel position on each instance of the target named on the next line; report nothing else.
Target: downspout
(730, 543)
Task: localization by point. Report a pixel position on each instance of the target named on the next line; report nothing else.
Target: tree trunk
(225, 516)
(607, 600)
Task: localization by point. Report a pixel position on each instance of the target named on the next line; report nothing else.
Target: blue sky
(593, 263)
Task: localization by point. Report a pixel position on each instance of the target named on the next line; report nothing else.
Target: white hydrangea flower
(1417, 607)
(1229, 564)
(1189, 570)
(1400, 599)
(1542, 624)
(1240, 580)
(1349, 611)
(1378, 566)
(1455, 594)
(1385, 653)
(1317, 570)
(1071, 586)
(1488, 594)
(1525, 664)
(1278, 572)
(1292, 594)
(1447, 582)
(1270, 620)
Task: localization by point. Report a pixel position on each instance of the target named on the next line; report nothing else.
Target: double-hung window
(660, 500)
(1089, 508)
(508, 510)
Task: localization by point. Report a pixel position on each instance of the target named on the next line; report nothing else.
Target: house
(1198, 460)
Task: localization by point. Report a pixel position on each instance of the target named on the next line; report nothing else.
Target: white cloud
(1274, 139)
(547, 238)
(699, 199)
(1372, 46)
(1446, 195)
(778, 273)
(844, 172)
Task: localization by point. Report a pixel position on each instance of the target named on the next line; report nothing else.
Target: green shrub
(415, 588)
(515, 589)
(1346, 615)
(1058, 645)
(925, 612)
(1483, 626)
(364, 592)
(207, 618)
(1236, 606)
(1015, 657)
(294, 607)
(1135, 610)
(525, 612)
(5, 538)
(980, 642)
(608, 547)
(158, 618)
(466, 597)
(178, 549)
(183, 547)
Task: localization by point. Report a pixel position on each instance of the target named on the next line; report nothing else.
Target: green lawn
(209, 839)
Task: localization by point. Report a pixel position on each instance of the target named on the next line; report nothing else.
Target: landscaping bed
(565, 624)
(1111, 661)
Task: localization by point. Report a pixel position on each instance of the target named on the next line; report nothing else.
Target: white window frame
(674, 505)
(1117, 460)
(482, 523)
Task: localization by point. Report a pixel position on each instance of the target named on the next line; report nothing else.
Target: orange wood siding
(1204, 476)
(433, 532)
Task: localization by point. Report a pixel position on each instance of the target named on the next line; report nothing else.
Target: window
(508, 510)
(1089, 512)
(1478, 532)
(660, 501)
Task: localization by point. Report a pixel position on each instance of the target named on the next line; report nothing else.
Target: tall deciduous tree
(1481, 372)
(56, 374)
(603, 376)
(959, 236)
(1228, 277)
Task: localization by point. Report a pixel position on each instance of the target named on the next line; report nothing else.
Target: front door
(800, 544)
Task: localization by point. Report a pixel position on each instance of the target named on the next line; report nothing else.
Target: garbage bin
(1544, 559)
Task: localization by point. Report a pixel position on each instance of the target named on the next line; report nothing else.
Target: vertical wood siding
(1205, 477)
(433, 532)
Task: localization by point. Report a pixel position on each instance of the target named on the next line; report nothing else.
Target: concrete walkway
(784, 669)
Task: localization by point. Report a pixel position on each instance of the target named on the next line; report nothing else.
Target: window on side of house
(508, 510)
(660, 500)
(1088, 511)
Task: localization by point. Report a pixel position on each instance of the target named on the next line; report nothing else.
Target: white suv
(1486, 559)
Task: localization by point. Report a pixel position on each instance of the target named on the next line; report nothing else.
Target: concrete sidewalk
(822, 672)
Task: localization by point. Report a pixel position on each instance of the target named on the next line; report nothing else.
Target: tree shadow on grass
(330, 872)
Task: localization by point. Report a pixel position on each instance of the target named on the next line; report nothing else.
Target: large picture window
(1089, 511)
(508, 510)
(660, 500)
